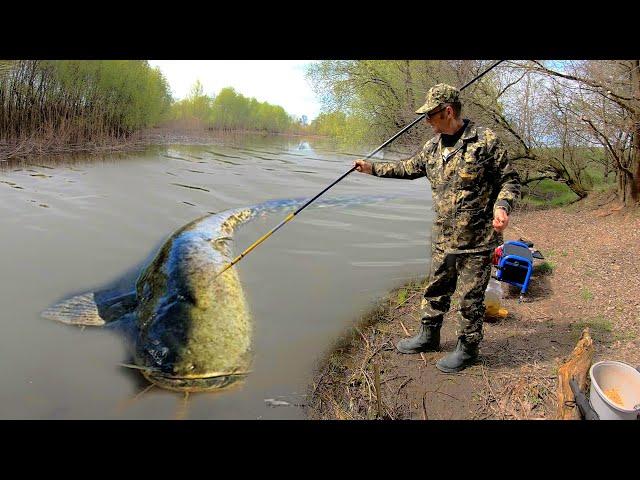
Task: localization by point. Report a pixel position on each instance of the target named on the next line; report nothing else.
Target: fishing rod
(293, 214)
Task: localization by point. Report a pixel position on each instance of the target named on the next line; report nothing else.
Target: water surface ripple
(81, 224)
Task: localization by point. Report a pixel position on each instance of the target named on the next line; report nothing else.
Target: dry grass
(345, 385)
(520, 354)
(526, 394)
(35, 147)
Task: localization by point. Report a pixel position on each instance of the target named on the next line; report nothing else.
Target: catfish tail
(78, 310)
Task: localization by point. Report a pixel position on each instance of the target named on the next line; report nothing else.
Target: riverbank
(35, 147)
(590, 278)
(178, 135)
(39, 147)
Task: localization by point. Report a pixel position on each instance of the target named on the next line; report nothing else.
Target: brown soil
(594, 249)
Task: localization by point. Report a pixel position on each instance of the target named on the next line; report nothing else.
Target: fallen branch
(376, 374)
(576, 366)
(424, 408)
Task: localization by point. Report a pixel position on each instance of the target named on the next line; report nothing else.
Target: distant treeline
(65, 105)
(79, 101)
(230, 110)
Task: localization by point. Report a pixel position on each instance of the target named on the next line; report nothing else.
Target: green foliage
(127, 94)
(81, 100)
(84, 101)
(347, 129)
(591, 175)
(369, 100)
(196, 106)
(230, 110)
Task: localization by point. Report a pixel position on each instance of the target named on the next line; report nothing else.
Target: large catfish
(188, 328)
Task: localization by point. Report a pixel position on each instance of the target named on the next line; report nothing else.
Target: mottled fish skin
(194, 327)
(190, 328)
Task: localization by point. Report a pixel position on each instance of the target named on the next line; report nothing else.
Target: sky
(278, 82)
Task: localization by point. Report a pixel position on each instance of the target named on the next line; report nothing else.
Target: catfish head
(194, 328)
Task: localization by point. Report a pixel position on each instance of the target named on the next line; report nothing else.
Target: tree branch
(611, 149)
(614, 97)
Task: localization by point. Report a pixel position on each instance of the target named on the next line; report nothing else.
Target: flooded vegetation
(66, 106)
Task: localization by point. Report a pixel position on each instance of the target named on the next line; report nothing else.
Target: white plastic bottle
(493, 298)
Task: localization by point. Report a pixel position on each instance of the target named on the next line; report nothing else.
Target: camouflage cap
(439, 94)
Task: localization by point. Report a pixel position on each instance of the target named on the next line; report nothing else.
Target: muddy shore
(591, 278)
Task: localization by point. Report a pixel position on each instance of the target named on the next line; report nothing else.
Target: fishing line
(293, 214)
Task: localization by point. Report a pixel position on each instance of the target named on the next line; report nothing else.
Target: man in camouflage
(473, 189)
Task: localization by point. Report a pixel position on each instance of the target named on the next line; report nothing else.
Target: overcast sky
(278, 82)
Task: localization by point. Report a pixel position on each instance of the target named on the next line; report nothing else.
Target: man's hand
(500, 219)
(363, 166)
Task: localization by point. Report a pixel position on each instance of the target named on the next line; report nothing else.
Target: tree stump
(576, 366)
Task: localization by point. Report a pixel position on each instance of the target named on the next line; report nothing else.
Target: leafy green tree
(80, 101)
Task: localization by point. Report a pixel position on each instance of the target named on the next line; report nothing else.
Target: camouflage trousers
(466, 275)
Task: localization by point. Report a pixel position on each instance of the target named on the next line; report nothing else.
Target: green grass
(595, 175)
(402, 295)
(544, 268)
(534, 398)
(624, 336)
(605, 187)
(586, 294)
(599, 326)
(548, 193)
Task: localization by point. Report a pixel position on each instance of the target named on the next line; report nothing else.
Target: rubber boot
(427, 339)
(464, 355)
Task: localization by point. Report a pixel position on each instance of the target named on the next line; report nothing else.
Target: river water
(76, 225)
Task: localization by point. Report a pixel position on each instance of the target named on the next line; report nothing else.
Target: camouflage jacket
(467, 185)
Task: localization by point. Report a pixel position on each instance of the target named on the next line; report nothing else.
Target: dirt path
(595, 254)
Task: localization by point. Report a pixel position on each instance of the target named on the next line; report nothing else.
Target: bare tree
(606, 97)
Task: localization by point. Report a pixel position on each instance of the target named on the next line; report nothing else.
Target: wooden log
(576, 366)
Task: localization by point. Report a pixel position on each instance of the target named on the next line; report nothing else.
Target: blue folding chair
(515, 265)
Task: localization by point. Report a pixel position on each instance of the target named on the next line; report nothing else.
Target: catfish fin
(125, 326)
(116, 307)
(78, 310)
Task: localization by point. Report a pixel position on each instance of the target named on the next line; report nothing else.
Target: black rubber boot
(464, 355)
(427, 339)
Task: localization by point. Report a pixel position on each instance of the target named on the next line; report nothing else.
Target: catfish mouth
(195, 383)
